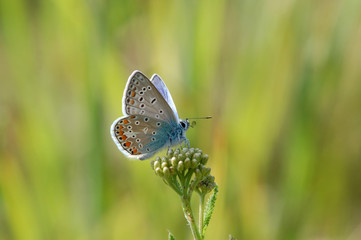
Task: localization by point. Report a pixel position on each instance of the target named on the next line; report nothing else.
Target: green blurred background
(282, 80)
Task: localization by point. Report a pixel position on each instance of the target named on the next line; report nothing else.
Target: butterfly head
(184, 124)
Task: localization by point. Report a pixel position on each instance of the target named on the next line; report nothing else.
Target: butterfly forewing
(141, 97)
(163, 90)
(140, 136)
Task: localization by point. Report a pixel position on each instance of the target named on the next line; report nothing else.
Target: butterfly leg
(187, 142)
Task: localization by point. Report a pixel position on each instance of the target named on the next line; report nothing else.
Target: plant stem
(201, 212)
(188, 213)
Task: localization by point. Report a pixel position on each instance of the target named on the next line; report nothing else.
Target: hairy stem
(188, 213)
(201, 211)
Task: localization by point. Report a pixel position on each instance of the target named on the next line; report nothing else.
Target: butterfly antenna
(193, 123)
(209, 117)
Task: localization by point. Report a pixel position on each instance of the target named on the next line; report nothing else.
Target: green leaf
(231, 237)
(170, 236)
(209, 209)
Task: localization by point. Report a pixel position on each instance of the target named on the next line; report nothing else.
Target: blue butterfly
(151, 120)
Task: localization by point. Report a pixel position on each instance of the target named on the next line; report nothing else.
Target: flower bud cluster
(207, 184)
(182, 161)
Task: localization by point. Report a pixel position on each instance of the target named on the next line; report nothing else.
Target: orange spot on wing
(128, 144)
(132, 117)
(131, 101)
(133, 94)
(124, 137)
(125, 121)
(121, 133)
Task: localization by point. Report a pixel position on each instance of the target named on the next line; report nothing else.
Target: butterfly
(151, 121)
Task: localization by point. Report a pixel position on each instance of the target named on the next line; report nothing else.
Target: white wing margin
(163, 90)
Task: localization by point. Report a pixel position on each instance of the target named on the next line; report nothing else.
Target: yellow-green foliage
(282, 80)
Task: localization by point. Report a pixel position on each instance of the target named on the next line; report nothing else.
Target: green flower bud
(159, 172)
(204, 159)
(198, 173)
(156, 164)
(164, 159)
(191, 152)
(206, 171)
(181, 157)
(174, 161)
(187, 163)
(180, 166)
(166, 172)
(197, 156)
(194, 164)
(172, 170)
(170, 152)
(184, 150)
(164, 164)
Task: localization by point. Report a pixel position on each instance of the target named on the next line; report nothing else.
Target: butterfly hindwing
(140, 136)
(141, 97)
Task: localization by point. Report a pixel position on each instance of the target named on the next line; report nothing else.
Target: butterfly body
(151, 122)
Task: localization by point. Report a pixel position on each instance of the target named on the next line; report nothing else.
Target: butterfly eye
(183, 124)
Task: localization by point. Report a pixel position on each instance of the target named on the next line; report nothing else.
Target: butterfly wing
(163, 90)
(140, 136)
(141, 97)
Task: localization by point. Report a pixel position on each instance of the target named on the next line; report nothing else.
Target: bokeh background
(282, 80)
